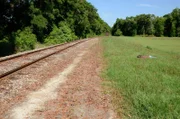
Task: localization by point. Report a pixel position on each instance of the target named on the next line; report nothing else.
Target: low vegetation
(142, 88)
(60, 34)
(25, 40)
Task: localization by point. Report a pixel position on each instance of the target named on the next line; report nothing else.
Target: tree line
(149, 25)
(23, 23)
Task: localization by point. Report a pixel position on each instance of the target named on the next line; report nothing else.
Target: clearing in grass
(142, 88)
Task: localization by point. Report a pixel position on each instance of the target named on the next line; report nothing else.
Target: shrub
(25, 40)
(69, 35)
(60, 35)
(118, 33)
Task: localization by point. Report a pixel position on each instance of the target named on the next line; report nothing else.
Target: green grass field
(168, 44)
(143, 88)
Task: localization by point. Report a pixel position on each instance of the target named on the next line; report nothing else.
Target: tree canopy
(79, 19)
(149, 24)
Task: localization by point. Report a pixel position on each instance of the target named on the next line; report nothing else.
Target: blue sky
(110, 10)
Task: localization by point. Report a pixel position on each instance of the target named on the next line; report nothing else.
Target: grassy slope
(150, 88)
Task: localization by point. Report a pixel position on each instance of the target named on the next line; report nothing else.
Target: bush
(68, 33)
(25, 40)
(118, 33)
(60, 35)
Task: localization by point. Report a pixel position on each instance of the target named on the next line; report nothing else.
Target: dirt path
(75, 92)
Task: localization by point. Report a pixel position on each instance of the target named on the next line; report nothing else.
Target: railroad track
(14, 63)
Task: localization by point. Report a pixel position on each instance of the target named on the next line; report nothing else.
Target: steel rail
(41, 58)
(2, 59)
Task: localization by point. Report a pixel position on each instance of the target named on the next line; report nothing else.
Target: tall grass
(142, 88)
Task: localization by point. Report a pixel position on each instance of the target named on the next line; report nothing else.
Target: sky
(110, 10)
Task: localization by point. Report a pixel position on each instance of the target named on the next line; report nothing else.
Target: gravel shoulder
(68, 87)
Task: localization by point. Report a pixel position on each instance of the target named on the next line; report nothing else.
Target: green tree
(145, 24)
(10, 16)
(118, 25)
(169, 26)
(43, 16)
(159, 26)
(129, 27)
(39, 24)
(176, 18)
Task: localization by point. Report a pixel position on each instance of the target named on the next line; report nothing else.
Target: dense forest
(23, 23)
(149, 25)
